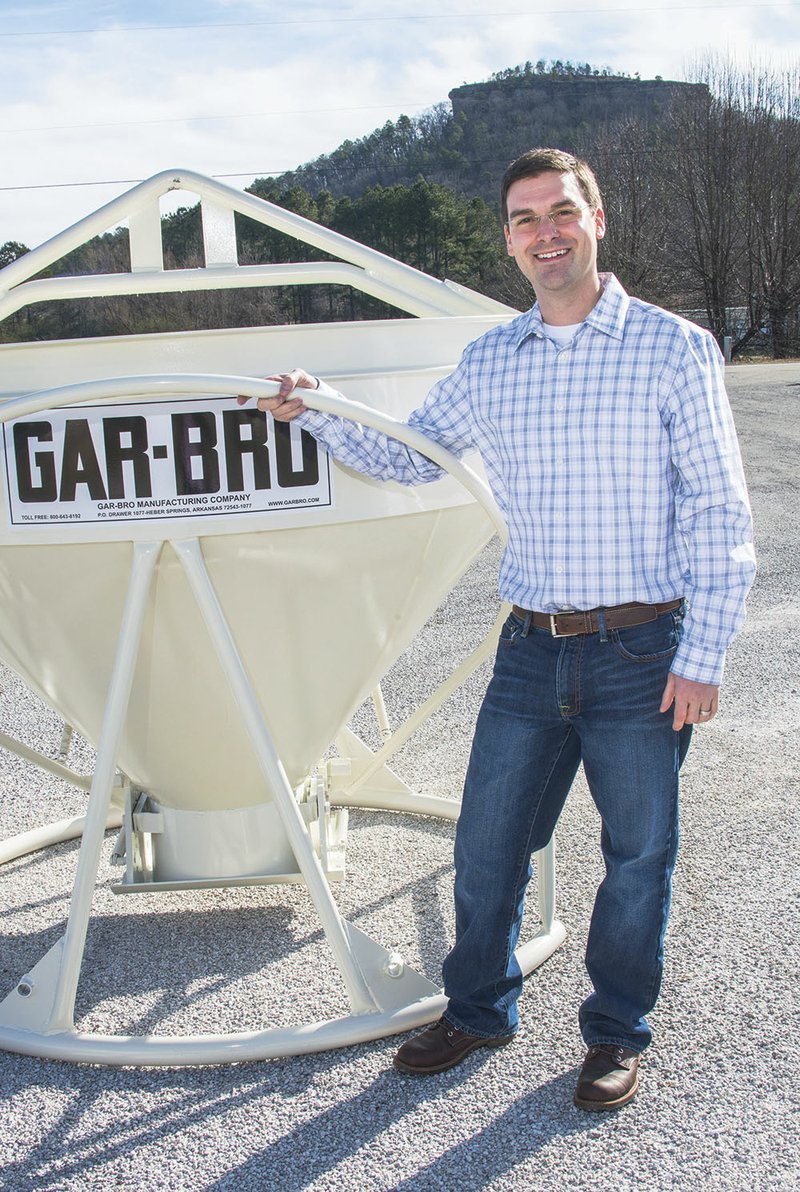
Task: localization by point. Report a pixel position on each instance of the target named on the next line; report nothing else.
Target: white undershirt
(562, 335)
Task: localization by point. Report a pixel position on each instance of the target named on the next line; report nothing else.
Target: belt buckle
(554, 630)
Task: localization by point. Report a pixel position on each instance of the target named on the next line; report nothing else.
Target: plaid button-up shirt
(613, 459)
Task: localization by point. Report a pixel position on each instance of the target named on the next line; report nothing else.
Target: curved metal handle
(179, 384)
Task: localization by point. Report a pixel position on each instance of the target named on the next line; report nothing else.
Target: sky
(97, 96)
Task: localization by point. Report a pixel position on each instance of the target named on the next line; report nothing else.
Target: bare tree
(704, 207)
(771, 186)
(704, 181)
(626, 156)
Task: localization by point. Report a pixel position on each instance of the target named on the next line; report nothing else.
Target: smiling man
(609, 445)
(557, 252)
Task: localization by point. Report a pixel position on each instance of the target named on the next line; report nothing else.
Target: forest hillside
(701, 186)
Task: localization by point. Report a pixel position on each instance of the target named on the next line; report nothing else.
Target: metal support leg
(43, 762)
(358, 788)
(145, 556)
(546, 881)
(44, 1000)
(381, 715)
(333, 925)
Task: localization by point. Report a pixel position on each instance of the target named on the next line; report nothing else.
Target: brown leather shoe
(441, 1046)
(609, 1077)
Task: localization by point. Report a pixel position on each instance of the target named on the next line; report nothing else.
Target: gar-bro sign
(183, 458)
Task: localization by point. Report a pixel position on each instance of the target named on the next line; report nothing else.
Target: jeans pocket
(511, 630)
(655, 641)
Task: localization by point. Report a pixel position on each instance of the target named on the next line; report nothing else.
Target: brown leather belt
(620, 616)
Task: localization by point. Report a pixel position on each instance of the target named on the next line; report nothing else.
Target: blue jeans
(551, 704)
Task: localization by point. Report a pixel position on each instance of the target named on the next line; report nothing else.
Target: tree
(635, 201)
(771, 183)
(703, 184)
(702, 200)
(734, 175)
(12, 250)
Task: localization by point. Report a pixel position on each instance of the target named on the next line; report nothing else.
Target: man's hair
(539, 161)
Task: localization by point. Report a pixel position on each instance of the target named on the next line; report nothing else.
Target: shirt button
(559, 570)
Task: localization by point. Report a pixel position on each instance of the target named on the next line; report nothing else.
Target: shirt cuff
(314, 421)
(698, 664)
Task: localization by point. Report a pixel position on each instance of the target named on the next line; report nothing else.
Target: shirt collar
(607, 316)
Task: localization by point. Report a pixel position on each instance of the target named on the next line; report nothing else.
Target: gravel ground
(718, 1104)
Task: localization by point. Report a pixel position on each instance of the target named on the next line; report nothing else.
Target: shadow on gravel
(316, 1147)
(205, 1099)
(177, 959)
(527, 1126)
(71, 1148)
(18, 954)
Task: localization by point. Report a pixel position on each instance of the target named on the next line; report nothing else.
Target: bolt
(394, 966)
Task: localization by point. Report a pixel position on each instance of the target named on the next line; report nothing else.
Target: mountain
(467, 143)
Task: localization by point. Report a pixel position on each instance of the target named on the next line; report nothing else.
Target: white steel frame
(38, 1016)
(364, 268)
(385, 997)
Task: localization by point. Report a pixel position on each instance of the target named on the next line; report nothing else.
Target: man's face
(558, 261)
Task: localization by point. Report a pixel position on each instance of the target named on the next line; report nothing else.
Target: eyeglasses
(559, 219)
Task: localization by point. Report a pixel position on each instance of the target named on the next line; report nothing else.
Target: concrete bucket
(154, 532)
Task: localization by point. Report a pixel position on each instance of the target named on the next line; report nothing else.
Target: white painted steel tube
(381, 715)
(168, 384)
(453, 300)
(405, 731)
(145, 556)
(50, 834)
(367, 416)
(333, 925)
(187, 1051)
(44, 763)
(546, 881)
(183, 281)
(404, 801)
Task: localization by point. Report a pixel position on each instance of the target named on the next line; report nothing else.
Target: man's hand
(283, 407)
(692, 703)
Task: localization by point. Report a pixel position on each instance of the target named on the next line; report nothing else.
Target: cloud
(262, 98)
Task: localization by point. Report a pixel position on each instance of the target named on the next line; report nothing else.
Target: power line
(339, 20)
(132, 181)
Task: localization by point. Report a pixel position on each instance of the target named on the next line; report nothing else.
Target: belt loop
(526, 624)
(601, 624)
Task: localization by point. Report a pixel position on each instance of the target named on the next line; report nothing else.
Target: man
(609, 445)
